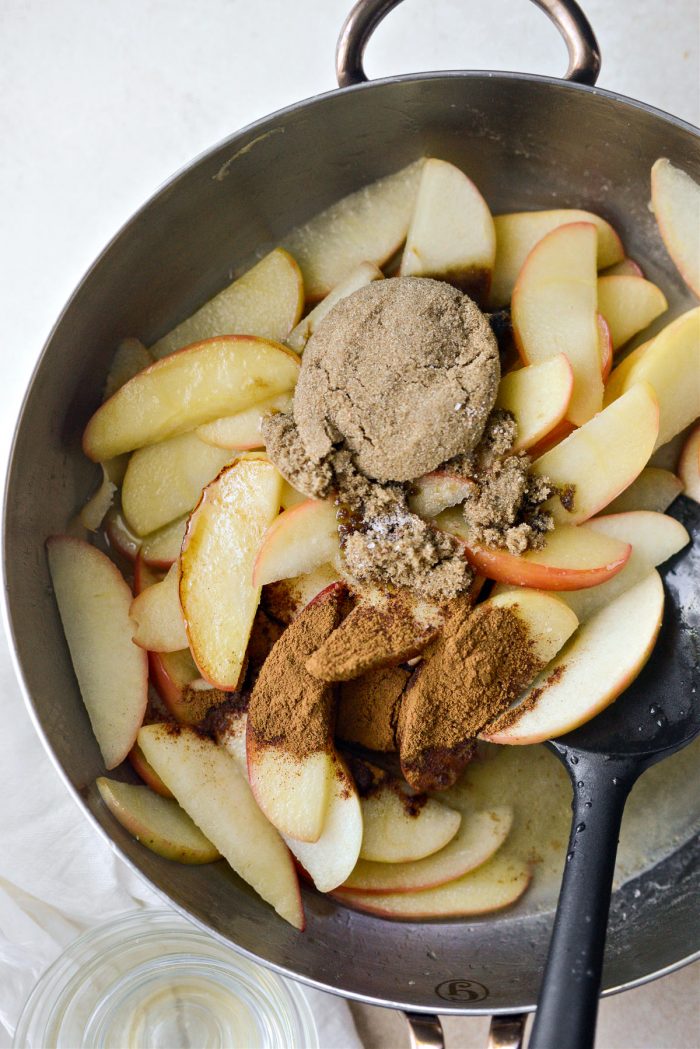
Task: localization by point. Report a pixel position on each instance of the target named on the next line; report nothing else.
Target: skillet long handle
(568, 1001)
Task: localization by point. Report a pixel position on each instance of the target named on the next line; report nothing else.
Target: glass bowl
(151, 980)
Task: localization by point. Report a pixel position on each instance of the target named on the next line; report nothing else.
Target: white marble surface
(100, 100)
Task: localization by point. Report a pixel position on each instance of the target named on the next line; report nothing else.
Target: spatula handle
(568, 1001)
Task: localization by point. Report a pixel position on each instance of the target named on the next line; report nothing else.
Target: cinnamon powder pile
(368, 708)
(288, 707)
(471, 673)
(382, 630)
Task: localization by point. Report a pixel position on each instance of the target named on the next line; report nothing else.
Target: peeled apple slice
(480, 835)
(519, 232)
(265, 301)
(165, 480)
(93, 600)
(491, 887)
(366, 226)
(158, 823)
(554, 311)
(603, 457)
(217, 593)
(451, 236)
(601, 659)
(360, 277)
(211, 790)
(193, 386)
(675, 198)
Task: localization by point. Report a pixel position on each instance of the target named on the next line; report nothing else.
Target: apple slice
(394, 627)
(285, 599)
(434, 492)
(548, 621)
(435, 740)
(671, 365)
(626, 268)
(93, 602)
(218, 595)
(560, 432)
(131, 357)
(98, 505)
(605, 348)
(214, 794)
(675, 199)
(629, 304)
(654, 489)
(554, 311)
(602, 458)
(156, 615)
(293, 792)
(572, 558)
(164, 481)
(602, 658)
(451, 236)
(654, 538)
(491, 887)
(480, 835)
(158, 823)
(615, 382)
(162, 548)
(330, 860)
(290, 496)
(366, 226)
(119, 535)
(149, 775)
(518, 233)
(145, 576)
(298, 541)
(266, 301)
(538, 396)
(400, 827)
(173, 675)
(242, 431)
(689, 464)
(194, 386)
(360, 277)
(290, 753)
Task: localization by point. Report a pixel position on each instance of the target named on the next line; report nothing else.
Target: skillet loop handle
(574, 27)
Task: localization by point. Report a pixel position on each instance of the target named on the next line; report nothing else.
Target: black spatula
(656, 716)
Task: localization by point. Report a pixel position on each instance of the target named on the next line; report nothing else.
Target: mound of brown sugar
(472, 672)
(401, 378)
(404, 372)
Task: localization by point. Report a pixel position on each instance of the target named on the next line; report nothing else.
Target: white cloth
(59, 878)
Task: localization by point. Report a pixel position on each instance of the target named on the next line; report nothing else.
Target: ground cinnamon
(382, 630)
(368, 708)
(472, 673)
(288, 707)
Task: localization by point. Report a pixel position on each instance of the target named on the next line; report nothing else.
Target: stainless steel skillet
(528, 142)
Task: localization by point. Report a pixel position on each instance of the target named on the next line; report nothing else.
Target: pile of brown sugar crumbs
(399, 379)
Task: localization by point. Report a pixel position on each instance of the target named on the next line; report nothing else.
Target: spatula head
(660, 711)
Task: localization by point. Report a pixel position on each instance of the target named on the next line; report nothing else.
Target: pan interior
(527, 142)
